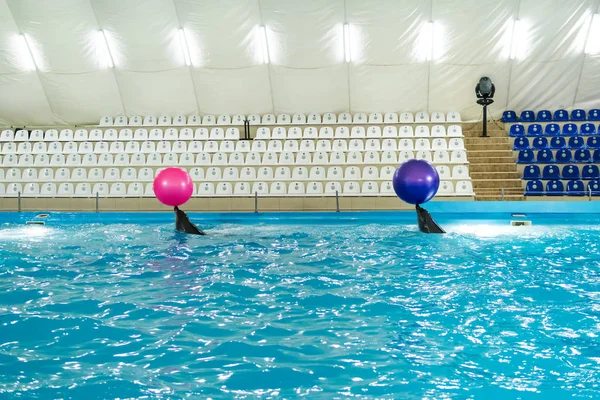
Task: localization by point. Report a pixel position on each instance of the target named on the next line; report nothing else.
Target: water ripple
(320, 311)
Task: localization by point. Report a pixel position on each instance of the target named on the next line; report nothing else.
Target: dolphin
(183, 224)
(426, 223)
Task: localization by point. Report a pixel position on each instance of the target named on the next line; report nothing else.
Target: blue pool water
(282, 306)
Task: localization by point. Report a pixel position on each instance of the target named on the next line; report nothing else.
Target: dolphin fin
(426, 223)
(183, 223)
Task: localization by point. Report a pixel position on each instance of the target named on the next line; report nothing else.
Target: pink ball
(173, 186)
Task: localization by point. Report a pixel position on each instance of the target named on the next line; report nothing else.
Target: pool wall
(274, 204)
(444, 212)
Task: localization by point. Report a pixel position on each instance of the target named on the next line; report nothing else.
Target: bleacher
(560, 151)
(284, 155)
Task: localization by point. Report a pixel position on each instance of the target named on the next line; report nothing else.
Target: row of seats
(229, 146)
(209, 189)
(546, 115)
(552, 130)
(147, 174)
(562, 156)
(533, 172)
(283, 119)
(341, 132)
(82, 135)
(557, 188)
(540, 143)
(236, 158)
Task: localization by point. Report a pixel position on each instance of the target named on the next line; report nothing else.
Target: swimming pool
(289, 305)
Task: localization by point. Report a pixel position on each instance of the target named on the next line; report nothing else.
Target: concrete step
(494, 167)
(490, 153)
(497, 183)
(493, 159)
(494, 175)
(490, 134)
(491, 140)
(488, 146)
(495, 191)
(500, 198)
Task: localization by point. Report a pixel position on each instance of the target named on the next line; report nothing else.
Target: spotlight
(485, 90)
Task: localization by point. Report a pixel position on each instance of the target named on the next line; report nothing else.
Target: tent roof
(388, 71)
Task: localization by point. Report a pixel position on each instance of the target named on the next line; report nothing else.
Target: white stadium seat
(445, 189)
(422, 117)
(438, 117)
(149, 120)
(299, 119)
(194, 120)
(48, 190)
(314, 189)
(460, 172)
(21, 136)
(406, 118)
(453, 117)
(268, 119)
(360, 118)
(314, 118)
(119, 121)
(106, 121)
(344, 118)
(464, 188)
(135, 121)
(83, 189)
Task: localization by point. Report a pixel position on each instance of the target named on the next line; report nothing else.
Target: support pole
(337, 201)
(96, 201)
(590, 193)
(484, 134)
(502, 190)
(19, 200)
(255, 202)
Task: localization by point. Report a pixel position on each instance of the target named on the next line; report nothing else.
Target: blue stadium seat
(570, 130)
(590, 172)
(534, 188)
(561, 115)
(570, 172)
(544, 116)
(531, 172)
(525, 157)
(582, 155)
(539, 143)
(555, 188)
(575, 188)
(596, 156)
(576, 142)
(517, 130)
(594, 187)
(545, 157)
(594, 115)
(552, 130)
(578, 115)
(509, 116)
(534, 130)
(558, 143)
(588, 129)
(564, 156)
(551, 172)
(521, 143)
(593, 142)
(527, 116)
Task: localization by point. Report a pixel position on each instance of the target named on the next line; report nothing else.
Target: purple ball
(416, 181)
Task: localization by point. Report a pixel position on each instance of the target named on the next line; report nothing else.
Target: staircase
(491, 163)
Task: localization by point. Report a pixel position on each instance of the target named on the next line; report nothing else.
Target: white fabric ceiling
(388, 72)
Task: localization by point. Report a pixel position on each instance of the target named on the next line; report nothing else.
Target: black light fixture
(485, 90)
